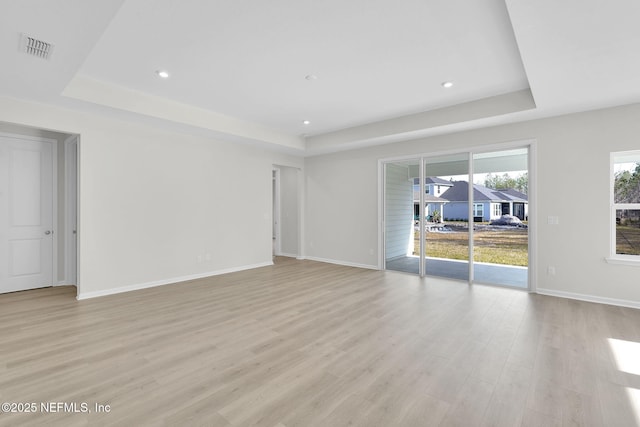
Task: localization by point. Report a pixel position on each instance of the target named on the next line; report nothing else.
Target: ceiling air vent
(33, 46)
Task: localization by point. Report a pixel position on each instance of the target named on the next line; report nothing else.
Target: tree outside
(627, 186)
(504, 181)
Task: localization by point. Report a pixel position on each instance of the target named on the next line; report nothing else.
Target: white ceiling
(238, 67)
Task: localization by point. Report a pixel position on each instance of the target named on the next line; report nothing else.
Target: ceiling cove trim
(84, 88)
(423, 124)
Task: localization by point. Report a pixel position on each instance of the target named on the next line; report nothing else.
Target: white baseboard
(287, 255)
(345, 263)
(129, 288)
(589, 298)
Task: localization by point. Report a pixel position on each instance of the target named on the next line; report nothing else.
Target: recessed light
(311, 77)
(447, 85)
(306, 122)
(163, 74)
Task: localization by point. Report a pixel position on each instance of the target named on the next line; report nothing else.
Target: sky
(619, 167)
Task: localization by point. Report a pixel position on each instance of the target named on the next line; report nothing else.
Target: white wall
(153, 201)
(398, 211)
(573, 164)
(341, 201)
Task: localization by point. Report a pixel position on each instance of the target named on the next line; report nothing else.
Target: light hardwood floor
(310, 344)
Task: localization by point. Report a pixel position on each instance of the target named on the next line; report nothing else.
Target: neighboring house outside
(434, 187)
(488, 203)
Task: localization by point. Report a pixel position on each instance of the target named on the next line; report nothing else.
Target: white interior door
(26, 214)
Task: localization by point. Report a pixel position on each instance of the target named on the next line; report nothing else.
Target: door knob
(47, 232)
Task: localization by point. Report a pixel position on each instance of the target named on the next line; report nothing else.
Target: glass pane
(401, 212)
(446, 216)
(628, 231)
(626, 169)
(501, 214)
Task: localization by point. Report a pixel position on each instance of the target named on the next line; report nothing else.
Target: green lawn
(504, 246)
(627, 240)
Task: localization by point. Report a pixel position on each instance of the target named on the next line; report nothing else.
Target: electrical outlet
(551, 270)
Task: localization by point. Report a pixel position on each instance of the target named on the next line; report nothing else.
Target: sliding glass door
(460, 216)
(445, 231)
(501, 232)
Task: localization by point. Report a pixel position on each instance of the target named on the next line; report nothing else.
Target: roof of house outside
(438, 181)
(433, 180)
(514, 194)
(460, 193)
(428, 198)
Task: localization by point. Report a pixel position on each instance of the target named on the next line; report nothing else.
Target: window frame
(475, 211)
(615, 258)
(497, 209)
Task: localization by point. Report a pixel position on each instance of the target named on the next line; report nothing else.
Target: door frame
(531, 144)
(288, 176)
(71, 148)
(276, 209)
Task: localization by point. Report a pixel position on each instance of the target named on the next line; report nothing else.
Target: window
(478, 209)
(497, 209)
(625, 206)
